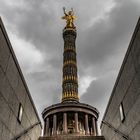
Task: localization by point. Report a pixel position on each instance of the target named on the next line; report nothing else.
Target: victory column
(70, 117)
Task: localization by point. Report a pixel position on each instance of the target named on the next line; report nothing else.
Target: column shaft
(76, 123)
(86, 124)
(65, 123)
(96, 128)
(47, 127)
(54, 124)
(70, 79)
(93, 126)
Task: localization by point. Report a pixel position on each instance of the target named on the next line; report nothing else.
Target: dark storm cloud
(109, 35)
(104, 31)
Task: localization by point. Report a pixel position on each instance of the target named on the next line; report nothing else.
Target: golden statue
(69, 17)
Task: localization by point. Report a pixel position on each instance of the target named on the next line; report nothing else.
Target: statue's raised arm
(64, 9)
(72, 11)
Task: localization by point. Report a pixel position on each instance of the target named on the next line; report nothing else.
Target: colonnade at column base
(72, 137)
(71, 119)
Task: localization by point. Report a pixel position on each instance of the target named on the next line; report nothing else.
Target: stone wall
(126, 92)
(13, 92)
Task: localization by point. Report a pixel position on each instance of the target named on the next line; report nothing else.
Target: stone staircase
(71, 137)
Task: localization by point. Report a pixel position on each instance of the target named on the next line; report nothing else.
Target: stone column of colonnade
(86, 124)
(76, 122)
(94, 128)
(54, 124)
(47, 126)
(65, 123)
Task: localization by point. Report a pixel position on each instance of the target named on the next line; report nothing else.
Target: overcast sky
(104, 29)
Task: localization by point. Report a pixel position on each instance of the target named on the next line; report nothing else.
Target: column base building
(70, 118)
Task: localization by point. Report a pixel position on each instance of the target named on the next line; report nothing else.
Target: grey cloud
(99, 91)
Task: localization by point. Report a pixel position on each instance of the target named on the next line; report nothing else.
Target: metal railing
(25, 131)
(116, 130)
